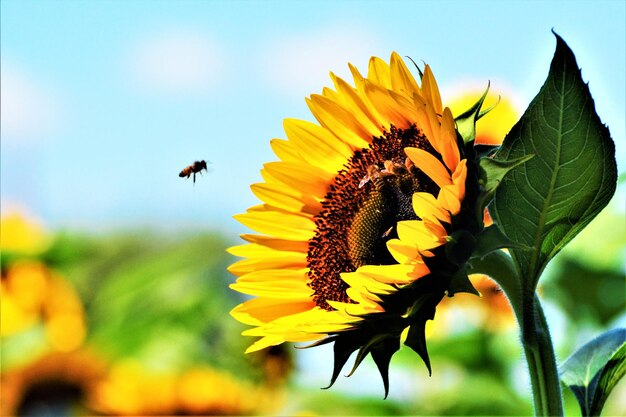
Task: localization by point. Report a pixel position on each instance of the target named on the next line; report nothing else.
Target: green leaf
(594, 370)
(548, 200)
(611, 374)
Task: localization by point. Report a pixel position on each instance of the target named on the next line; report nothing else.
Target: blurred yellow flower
(497, 312)
(53, 381)
(491, 312)
(22, 233)
(33, 294)
(132, 388)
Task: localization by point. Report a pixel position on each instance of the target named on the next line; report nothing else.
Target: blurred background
(115, 295)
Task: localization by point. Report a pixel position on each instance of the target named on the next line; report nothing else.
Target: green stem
(534, 330)
(544, 375)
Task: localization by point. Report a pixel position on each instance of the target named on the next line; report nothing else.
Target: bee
(193, 169)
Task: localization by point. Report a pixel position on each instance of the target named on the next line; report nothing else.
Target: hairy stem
(535, 334)
(541, 361)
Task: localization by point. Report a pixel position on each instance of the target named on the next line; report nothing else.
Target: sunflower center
(360, 212)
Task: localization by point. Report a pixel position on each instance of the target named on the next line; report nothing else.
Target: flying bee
(193, 169)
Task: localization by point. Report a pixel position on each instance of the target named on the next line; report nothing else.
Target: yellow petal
(449, 200)
(264, 342)
(266, 275)
(426, 206)
(379, 72)
(358, 78)
(395, 274)
(278, 224)
(417, 233)
(460, 174)
(403, 252)
(302, 177)
(286, 198)
(430, 90)
(427, 121)
(254, 250)
(363, 110)
(339, 121)
(410, 111)
(430, 165)
(387, 106)
(448, 146)
(285, 289)
(401, 78)
(436, 229)
(317, 145)
(286, 260)
(264, 310)
(298, 327)
(277, 244)
(284, 150)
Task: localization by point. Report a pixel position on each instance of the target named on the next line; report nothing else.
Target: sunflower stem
(535, 335)
(540, 357)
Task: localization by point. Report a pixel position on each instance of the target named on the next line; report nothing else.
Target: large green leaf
(546, 201)
(594, 369)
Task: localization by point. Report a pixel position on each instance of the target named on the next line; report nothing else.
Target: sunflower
(22, 233)
(32, 294)
(132, 388)
(367, 220)
(59, 382)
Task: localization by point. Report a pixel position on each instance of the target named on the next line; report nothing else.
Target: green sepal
(492, 172)
(466, 122)
(382, 353)
(482, 150)
(459, 247)
(491, 239)
(419, 70)
(378, 335)
(416, 340)
(321, 342)
(365, 350)
(461, 283)
(342, 349)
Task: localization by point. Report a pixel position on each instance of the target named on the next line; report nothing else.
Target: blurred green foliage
(164, 300)
(587, 280)
(160, 299)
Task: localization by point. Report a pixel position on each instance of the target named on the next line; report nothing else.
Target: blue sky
(103, 103)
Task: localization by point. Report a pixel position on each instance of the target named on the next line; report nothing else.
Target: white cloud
(176, 62)
(30, 111)
(301, 64)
